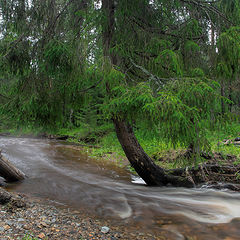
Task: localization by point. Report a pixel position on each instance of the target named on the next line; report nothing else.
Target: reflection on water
(62, 174)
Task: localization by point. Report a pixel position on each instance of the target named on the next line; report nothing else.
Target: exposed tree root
(212, 174)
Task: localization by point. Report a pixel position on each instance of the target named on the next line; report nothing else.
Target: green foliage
(229, 53)
(197, 92)
(57, 58)
(232, 9)
(177, 113)
(191, 46)
(113, 78)
(197, 73)
(193, 28)
(169, 62)
(14, 60)
(223, 70)
(156, 45)
(229, 131)
(53, 74)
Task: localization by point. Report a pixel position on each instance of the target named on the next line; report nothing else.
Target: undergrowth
(161, 151)
(229, 132)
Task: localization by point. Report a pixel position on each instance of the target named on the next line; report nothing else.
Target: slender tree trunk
(223, 95)
(230, 96)
(64, 110)
(213, 46)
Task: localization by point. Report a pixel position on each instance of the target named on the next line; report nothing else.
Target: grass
(109, 147)
(157, 148)
(29, 237)
(216, 138)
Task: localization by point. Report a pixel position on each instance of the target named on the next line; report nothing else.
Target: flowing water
(61, 174)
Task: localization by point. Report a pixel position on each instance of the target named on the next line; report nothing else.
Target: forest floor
(34, 219)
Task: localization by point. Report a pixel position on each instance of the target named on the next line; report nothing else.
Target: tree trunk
(230, 97)
(223, 95)
(8, 171)
(141, 162)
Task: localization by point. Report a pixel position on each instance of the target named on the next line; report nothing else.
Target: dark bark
(223, 95)
(141, 162)
(108, 8)
(230, 98)
(8, 171)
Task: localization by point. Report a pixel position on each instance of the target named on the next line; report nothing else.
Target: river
(69, 178)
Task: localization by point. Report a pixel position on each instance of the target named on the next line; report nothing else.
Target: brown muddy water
(67, 177)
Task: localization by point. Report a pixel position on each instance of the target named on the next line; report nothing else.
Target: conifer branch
(3, 96)
(208, 6)
(89, 88)
(161, 32)
(152, 77)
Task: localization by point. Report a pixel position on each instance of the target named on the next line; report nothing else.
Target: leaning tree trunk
(8, 171)
(141, 162)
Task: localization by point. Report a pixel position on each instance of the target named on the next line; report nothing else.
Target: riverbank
(217, 171)
(102, 145)
(35, 219)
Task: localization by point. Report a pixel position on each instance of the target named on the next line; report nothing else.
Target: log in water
(8, 171)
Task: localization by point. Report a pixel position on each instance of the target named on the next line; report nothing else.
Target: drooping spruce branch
(209, 6)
